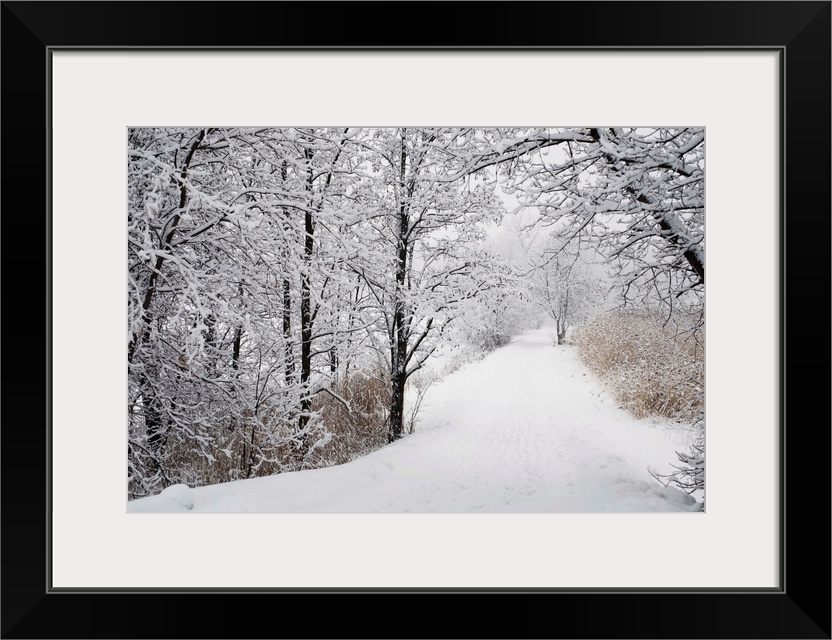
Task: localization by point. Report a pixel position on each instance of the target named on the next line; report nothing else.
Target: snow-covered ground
(526, 430)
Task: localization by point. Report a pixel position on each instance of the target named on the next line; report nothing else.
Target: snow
(526, 430)
(177, 497)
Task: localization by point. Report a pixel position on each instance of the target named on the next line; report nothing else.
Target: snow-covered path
(526, 430)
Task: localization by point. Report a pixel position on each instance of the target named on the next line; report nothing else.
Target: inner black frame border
(799, 31)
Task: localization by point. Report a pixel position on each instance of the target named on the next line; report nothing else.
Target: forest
(296, 294)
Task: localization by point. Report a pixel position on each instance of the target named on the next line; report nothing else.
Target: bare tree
(428, 225)
(637, 193)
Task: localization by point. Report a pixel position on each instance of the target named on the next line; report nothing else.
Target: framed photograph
(82, 81)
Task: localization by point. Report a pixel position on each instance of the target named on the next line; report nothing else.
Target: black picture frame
(798, 608)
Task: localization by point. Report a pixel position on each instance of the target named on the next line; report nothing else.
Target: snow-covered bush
(651, 366)
(466, 356)
(354, 415)
(490, 321)
(690, 475)
(246, 445)
(417, 388)
(422, 380)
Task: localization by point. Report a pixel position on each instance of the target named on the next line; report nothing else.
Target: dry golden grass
(349, 424)
(358, 428)
(249, 447)
(653, 369)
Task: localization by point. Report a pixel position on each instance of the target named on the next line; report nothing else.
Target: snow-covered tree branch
(284, 284)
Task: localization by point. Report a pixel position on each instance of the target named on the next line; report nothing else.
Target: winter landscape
(416, 320)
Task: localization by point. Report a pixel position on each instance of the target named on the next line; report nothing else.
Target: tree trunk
(289, 356)
(306, 329)
(306, 314)
(136, 340)
(153, 416)
(398, 353)
(235, 356)
(395, 428)
(333, 360)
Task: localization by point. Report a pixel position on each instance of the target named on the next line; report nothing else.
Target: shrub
(652, 367)
(422, 380)
(418, 385)
(355, 417)
(690, 475)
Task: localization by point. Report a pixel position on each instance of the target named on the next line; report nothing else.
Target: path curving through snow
(526, 430)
